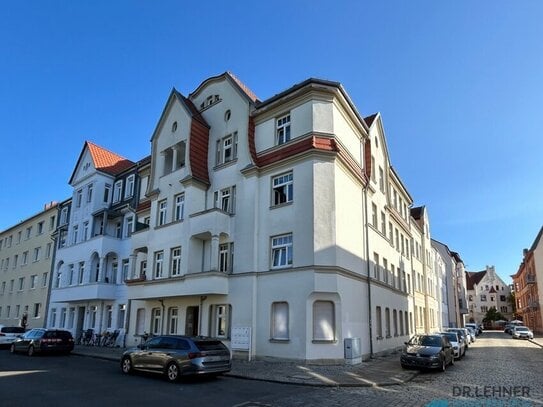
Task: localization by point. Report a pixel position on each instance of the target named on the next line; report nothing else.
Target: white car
(8, 334)
(520, 332)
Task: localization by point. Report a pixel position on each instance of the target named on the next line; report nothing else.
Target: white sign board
(241, 338)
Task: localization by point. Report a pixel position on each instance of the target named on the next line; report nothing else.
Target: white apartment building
(278, 226)
(93, 244)
(485, 289)
(26, 255)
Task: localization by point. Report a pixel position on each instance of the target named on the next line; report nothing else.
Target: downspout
(366, 233)
(162, 318)
(50, 283)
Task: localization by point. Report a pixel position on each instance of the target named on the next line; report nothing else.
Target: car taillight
(194, 355)
(1, 334)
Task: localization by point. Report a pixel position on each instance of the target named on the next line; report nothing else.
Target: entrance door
(80, 321)
(191, 322)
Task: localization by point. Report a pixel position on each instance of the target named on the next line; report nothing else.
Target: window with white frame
(162, 212)
(58, 276)
(81, 272)
(225, 199)
(324, 328)
(226, 257)
(282, 186)
(75, 230)
(129, 187)
(54, 317)
(89, 192)
(71, 317)
(21, 283)
(107, 193)
(109, 316)
(62, 323)
(387, 322)
(179, 209)
(33, 279)
(117, 191)
(381, 180)
(37, 310)
(280, 322)
(281, 250)
(85, 230)
(37, 253)
(129, 226)
(78, 198)
(227, 149)
(44, 279)
(71, 274)
(220, 322)
(173, 319)
(156, 321)
(374, 215)
(176, 261)
(52, 223)
(159, 266)
(40, 228)
(64, 216)
(125, 268)
(282, 131)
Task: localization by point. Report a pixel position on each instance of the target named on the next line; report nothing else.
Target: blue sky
(459, 85)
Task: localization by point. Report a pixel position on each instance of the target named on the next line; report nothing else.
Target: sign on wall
(241, 338)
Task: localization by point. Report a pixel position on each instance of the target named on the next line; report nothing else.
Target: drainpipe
(162, 318)
(50, 283)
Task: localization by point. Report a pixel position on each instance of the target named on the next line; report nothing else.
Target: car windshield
(426, 341)
(521, 328)
(452, 336)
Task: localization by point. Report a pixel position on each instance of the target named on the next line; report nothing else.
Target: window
(58, 276)
(381, 180)
(282, 133)
(391, 233)
(117, 191)
(173, 318)
(54, 317)
(227, 115)
(62, 323)
(282, 251)
(71, 317)
(484, 308)
(323, 321)
(226, 257)
(502, 298)
(125, 268)
(19, 233)
(89, 193)
(387, 322)
(221, 321)
(64, 216)
(282, 188)
(8, 311)
(372, 168)
(33, 279)
(3, 288)
(107, 193)
(121, 316)
(483, 297)
(37, 253)
(21, 283)
(15, 260)
(118, 230)
(376, 271)
(78, 198)
(80, 273)
(374, 215)
(400, 317)
(129, 187)
(44, 280)
(109, 316)
(279, 318)
(176, 261)
(85, 230)
(227, 149)
(71, 274)
(162, 211)
(40, 228)
(129, 226)
(52, 222)
(74, 234)
(383, 224)
(395, 322)
(503, 309)
(92, 322)
(159, 259)
(179, 210)
(37, 309)
(225, 199)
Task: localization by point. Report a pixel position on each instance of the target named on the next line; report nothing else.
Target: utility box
(352, 351)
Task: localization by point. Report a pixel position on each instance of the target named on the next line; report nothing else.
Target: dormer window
(282, 133)
(209, 101)
(117, 190)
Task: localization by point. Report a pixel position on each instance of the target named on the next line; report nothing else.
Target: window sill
(281, 205)
(324, 341)
(224, 165)
(288, 266)
(273, 340)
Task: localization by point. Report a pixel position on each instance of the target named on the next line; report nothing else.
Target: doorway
(191, 322)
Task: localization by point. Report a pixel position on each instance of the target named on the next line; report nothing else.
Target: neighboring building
(485, 290)
(93, 244)
(453, 288)
(26, 255)
(526, 283)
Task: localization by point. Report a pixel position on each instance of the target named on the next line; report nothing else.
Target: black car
(41, 340)
(174, 356)
(427, 352)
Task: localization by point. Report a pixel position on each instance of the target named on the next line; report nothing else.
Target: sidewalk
(380, 371)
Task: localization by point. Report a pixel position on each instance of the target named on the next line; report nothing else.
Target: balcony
(214, 221)
(84, 292)
(206, 283)
(530, 279)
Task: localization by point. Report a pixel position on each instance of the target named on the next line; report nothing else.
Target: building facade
(26, 255)
(526, 283)
(486, 290)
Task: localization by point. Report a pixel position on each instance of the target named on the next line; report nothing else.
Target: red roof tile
(106, 161)
(243, 87)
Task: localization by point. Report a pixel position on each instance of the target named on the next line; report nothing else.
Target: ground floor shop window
(279, 328)
(323, 321)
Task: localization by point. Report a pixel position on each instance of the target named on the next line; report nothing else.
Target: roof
(369, 120)
(474, 277)
(243, 87)
(417, 212)
(537, 239)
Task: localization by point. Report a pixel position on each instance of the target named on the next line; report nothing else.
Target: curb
(535, 343)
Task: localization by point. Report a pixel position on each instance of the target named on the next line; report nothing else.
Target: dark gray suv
(175, 356)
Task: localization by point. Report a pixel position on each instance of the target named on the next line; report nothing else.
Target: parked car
(9, 333)
(463, 334)
(520, 332)
(459, 347)
(175, 356)
(472, 334)
(478, 328)
(41, 340)
(427, 352)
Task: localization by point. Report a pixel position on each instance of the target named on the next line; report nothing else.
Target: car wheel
(30, 351)
(172, 372)
(12, 348)
(126, 365)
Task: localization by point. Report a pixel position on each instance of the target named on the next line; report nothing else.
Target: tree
(493, 315)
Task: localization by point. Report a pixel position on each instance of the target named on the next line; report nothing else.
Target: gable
(84, 168)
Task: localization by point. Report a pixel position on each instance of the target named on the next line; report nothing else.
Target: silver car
(176, 356)
(459, 347)
(520, 332)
